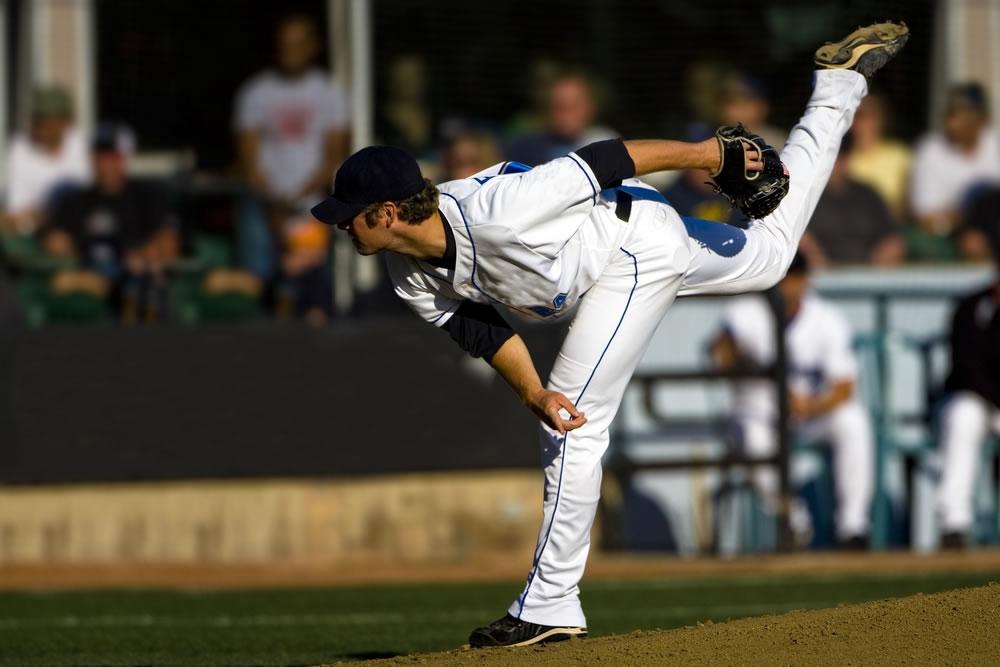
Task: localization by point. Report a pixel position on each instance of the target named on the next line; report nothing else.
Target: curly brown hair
(412, 210)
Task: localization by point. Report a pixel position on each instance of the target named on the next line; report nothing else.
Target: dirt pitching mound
(960, 627)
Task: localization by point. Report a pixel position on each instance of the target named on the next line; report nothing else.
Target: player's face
(368, 239)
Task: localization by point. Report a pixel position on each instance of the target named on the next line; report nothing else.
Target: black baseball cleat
(954, 541)
(865, 50)
(510, 631)
(854, 543)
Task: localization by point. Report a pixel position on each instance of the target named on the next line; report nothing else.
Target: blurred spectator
(948, 164)
(973, 408)
(119, 231)
(306, 289)
(468, 153)
(543, 74)
(692, 194)
(980, 229)
(572, 111)
(744, 100)
(852, 224)
(405, 118)
(877, 161)
(822, 374)
(293, 130)
(51, 155)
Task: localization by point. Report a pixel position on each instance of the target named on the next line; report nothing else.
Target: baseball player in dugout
(972, 409)
(581, 233)
(822, 373)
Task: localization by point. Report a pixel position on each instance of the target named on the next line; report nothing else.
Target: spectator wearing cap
(948, 165)
(293, 131)
(119, 231)
(52, 154)
(570, 123)
(852, 223)
(743, 99)
(875, 159)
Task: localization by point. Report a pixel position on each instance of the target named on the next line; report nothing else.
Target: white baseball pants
(848, 430)
(965, 422)
(616, 319)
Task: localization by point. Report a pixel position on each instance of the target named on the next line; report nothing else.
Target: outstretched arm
(614, 160)
(513, 362)
(651, 155)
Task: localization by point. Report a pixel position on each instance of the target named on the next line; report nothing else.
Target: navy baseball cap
(372, 175)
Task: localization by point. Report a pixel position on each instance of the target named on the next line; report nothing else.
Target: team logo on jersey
(545, 311)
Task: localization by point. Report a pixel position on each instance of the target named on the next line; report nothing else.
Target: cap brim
(332, 211)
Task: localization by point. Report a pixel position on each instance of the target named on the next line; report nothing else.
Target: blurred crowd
(86, 237)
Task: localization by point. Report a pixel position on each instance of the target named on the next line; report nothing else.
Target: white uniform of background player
(819, 354)
(539, 241)
(972, 411)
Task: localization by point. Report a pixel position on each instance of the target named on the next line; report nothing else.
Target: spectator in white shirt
(293, 131)
(51, 155)
(951, 162)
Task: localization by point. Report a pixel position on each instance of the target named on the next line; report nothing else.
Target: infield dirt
(960, 627)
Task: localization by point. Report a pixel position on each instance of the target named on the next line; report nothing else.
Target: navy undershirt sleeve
(609, 160)
(478, 329)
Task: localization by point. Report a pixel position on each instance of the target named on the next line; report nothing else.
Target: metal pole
(361, 73)
(4, 94)
(349, 30)
(785, 494)
(351, 272)
(880, 510)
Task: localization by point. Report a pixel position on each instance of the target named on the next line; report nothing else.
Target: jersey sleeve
(478, 329)
(424, 294)
(839, 362)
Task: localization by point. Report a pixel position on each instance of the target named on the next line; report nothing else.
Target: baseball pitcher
(582, 231)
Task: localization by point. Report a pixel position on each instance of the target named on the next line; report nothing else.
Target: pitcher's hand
(547, 404)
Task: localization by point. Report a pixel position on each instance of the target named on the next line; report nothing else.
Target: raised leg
(728, 260)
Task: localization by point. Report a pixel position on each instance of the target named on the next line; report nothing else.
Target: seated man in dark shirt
(973, 408)
(119, 231)
(981, 225)
(852, 223)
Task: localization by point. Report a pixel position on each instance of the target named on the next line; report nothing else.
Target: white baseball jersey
(818, 341)
(534, 241)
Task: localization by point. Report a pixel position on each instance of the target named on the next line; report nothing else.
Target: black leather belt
(624, 207)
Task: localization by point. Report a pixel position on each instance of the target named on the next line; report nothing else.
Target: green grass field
(309, 626)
